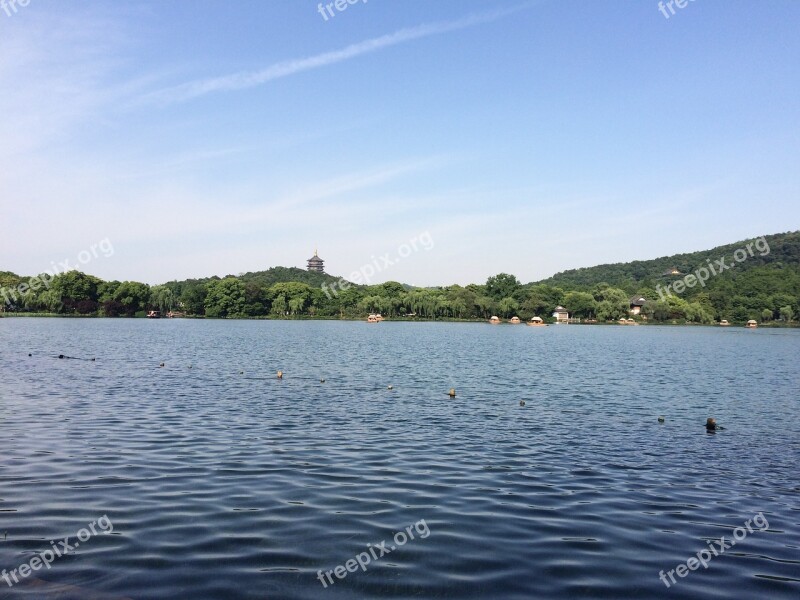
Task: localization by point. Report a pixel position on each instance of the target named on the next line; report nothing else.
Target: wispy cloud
(250, 79)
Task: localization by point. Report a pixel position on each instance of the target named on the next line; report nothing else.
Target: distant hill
(287, 274)
(761, 280)
(783, 256)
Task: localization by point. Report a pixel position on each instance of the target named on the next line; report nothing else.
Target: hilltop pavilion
(316, 264)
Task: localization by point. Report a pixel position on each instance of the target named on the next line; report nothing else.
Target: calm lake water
(221, 484)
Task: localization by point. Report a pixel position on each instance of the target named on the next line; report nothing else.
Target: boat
(537, 322)
(752, 324)
(515, 321)
(379, 317)
(494, 320)
(724, 323)
(154, 314)
(373, 319)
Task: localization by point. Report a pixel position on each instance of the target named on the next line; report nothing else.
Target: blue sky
(208, 138)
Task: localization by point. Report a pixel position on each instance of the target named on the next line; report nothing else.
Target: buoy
(29, 354)
(240, 372)
(280, 374)
(660, 419)
(452, 392)
(522, 402)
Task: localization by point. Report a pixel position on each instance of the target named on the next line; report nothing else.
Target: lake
(211, 478)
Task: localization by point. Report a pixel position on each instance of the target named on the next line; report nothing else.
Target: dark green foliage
(764, 286)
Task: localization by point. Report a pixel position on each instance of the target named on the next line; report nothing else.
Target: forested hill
(783, 256)
(288, 274)
(762, 283)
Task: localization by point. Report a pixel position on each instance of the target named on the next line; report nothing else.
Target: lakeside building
(637, 302)
(316, 264)
(561, 315)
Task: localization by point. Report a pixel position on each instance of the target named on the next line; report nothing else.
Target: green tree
(290, 290)
(256, 299)
(225, 298)
(580, 304)
(279, 306)
(787, 314)
(442, 307)
(162, 298)
(50, 300)
(458, 307)
(508, 306)
(107, 290)
(75, 286)
(391, 288)
(616, 298)
(485, 306)
(502, 286)
(193, 298)
(697, 313)
(541, 300)
(296, 305)
(132, 295)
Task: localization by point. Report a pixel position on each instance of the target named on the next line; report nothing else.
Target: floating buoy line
(63, 356)
(280, 375)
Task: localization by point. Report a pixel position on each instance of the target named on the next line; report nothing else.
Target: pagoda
(316, 264)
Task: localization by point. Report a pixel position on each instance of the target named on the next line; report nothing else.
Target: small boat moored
(724, 323)
(515, 321)
(494, 320)
(752, 324)
(373, 319)
(154, 314)
(537, 322)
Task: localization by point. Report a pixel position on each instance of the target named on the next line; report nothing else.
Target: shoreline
(733, 325)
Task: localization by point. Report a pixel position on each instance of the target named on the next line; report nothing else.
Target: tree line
(764, 294)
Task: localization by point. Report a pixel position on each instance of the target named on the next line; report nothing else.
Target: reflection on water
(223, 481)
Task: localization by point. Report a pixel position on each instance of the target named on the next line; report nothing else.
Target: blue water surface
(223, 482)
